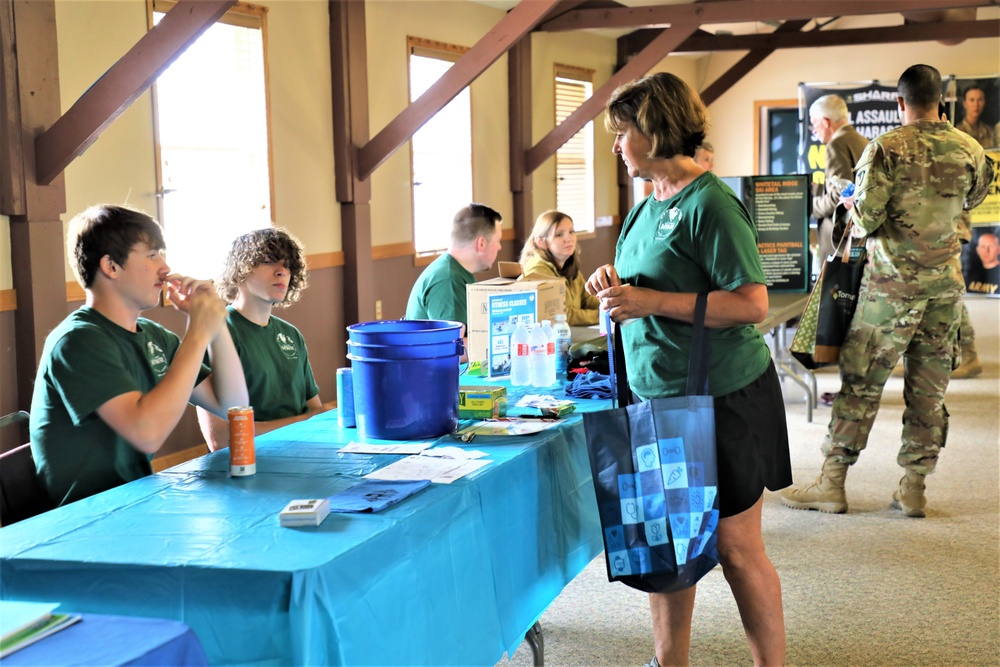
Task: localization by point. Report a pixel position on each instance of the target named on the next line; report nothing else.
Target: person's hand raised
(181, 289)
(198, 298)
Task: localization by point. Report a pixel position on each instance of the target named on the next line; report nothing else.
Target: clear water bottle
(520, 373)
(563, 336)
(549, 374)
(538, 345)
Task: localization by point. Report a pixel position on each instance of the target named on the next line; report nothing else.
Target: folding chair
(22, 494)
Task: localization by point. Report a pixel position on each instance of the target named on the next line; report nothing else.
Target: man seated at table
(439, 293)
(111, 385)
(266, 269)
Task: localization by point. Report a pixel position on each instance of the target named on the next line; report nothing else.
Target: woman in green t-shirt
(552, 250)
(692, 235)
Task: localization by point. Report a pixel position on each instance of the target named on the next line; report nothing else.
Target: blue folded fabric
(590, 385)
(373, 495)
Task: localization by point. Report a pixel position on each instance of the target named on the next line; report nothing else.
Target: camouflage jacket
(912, 184)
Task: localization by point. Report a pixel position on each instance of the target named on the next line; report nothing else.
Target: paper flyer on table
(454, 453)
(508, 426)
(47, 625)
(437, 470)
(368, 448)
(16, 615)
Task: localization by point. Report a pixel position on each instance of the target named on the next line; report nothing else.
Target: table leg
(788, 366)
(537, 643)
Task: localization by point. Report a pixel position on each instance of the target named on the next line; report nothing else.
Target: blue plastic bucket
(405, 378)
(404, 332)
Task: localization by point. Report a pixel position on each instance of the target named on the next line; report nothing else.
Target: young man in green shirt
(111, 385)
(439, 293)
(266, 269)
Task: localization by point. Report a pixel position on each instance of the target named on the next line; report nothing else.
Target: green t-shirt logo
(287, 346)
(666, 223)
(157, 359)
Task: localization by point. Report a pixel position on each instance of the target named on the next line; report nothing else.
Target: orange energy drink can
(242, 458)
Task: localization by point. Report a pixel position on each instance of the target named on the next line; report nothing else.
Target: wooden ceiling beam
(524, 17)
(746, 64)
(122, 84)
(638, 65)
(741, 11)
(910, 32)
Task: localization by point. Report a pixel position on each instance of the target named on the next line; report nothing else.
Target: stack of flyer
(24, 623)
(305, 512)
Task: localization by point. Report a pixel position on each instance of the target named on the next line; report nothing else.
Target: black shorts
(752, 443)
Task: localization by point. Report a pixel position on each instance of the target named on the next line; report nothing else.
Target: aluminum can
(345, 398)
(242, 458)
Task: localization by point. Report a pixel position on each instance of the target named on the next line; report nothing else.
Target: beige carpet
(868, 588)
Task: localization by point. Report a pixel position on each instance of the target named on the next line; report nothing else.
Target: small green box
(482, 402)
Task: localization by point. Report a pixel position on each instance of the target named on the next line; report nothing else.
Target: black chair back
(22, 494)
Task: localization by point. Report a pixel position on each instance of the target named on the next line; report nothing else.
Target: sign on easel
(779, 208)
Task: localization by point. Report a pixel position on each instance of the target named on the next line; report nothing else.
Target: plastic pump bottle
(563, 338)
(520, 374)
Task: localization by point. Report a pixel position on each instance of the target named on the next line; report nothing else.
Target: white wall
(389, 23)
(119, 167)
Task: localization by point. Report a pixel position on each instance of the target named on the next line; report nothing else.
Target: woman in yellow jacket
(551, 250)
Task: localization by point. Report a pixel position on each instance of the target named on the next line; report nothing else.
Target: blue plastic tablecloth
(453, 575)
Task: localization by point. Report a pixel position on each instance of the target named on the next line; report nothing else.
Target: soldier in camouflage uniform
(912, 184)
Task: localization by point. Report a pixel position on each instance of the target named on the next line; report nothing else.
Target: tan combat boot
(909, 497)
(970, 366)
(826, 494)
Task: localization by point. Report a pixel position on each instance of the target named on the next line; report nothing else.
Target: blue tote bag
(655, 475)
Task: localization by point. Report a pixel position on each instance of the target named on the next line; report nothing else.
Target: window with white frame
(441, 150)
(212, 141)
(575, 158)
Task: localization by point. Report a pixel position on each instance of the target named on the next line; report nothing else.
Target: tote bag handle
(697, 381)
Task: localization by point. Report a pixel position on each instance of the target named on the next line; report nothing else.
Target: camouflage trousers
(925, 333)
(966, 333)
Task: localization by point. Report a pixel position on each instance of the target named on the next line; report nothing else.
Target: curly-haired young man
(265, 268)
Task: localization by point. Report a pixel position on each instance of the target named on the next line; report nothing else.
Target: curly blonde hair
(272, 244)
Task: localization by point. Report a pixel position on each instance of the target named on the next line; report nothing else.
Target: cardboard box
(550, 300)
(487, 402)
(506, 311)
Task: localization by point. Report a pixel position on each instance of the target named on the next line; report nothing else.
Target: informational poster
(973, 105)
(779, 207)
(981, 265)
(506, 310)
(988, 213)
(871, 108)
